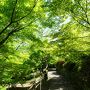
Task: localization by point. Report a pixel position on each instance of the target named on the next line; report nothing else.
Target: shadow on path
(57, 82)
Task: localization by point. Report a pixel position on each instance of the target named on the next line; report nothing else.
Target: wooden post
(35, 80)
(41, 83)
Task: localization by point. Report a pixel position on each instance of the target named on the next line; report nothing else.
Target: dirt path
(57, 82)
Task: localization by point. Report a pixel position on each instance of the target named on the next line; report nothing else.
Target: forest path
(58, 82)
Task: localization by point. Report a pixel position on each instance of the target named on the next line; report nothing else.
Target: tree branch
(17, 29)
(19, 46)
(13, 10)
(18, 19)
(11, 18)
(27, 14)
(78, 21)
(5, 28)
(85, 11)
(13, 31)
(5, 39)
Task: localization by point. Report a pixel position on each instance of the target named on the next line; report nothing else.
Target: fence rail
(29, 85)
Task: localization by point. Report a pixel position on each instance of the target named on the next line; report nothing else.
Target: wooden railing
(29, 85)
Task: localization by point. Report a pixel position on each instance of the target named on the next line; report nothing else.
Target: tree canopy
(34, 30)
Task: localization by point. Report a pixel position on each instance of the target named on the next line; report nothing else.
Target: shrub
(85, 72)
(59, 66)
(70, 66)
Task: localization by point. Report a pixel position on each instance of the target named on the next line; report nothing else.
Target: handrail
(30, 85)
(36, 84)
